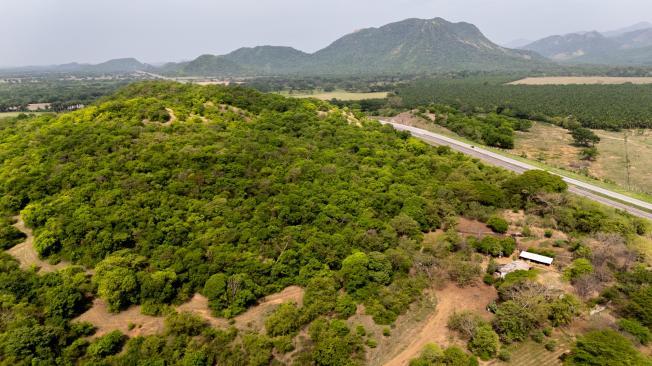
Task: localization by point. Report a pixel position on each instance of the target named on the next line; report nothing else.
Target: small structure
(537, 258)
(512, 267)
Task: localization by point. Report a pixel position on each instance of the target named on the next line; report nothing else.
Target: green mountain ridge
(633, 48)
(409, 46)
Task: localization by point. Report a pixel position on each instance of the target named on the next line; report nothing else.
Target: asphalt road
(614, 199)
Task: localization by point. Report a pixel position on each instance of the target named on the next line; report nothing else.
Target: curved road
(613, 199)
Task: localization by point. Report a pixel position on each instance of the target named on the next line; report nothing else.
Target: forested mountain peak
(409, 46)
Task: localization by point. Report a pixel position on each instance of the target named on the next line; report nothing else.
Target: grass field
(338, 94)
(581, 80)
(551, 145)
(14, 114)
(530, 353)
(543, 147)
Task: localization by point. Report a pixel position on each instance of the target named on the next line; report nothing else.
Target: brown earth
(449, 300)
(26, 254)
(254, 318)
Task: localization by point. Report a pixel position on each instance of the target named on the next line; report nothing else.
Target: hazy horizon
(47, 32)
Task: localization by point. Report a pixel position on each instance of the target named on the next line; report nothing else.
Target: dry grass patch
(581, 80)
(450, 299)
(338, 94)
(552, 145)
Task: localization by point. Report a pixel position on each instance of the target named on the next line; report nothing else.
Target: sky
(44, 32)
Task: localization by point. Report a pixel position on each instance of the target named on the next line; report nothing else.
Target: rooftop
(536, 257)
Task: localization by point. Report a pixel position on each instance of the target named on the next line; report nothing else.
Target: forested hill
(166, 190)
(409, 46)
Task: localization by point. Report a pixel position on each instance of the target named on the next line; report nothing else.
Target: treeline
(60, 93)
(594, 106)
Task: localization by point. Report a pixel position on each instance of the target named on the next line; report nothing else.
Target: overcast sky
(38, 32)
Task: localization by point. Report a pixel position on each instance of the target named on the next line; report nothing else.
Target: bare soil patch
(449, 300)
(473, 227)
(106, 321)
(26, 254)
(254, 318)
(581, 80)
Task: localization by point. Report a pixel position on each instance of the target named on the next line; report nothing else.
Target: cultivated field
(14, 114)
(338, 94)
(581, 80)
(552, 145)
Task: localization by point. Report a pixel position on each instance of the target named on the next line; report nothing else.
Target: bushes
(283, 321)
(578, 268)
(636, 329)
(605, 347)
(484, 342)
(434, 355)
(498, 224)
(9, 235)
(496, 247)
(563, 310)
(106, 345)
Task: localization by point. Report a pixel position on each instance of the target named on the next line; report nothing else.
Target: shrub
(184, 323)
(484, 343)
(106, 345)
(579, 267)
(604, 347)
(636, 329)
(498, 224)
(551, 346)
(345, 306)
(547, 233)
(563, 310)
(283, 321)
(538, 337)
(504, 355)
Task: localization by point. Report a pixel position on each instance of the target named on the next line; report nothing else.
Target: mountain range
(631, 46)
(407, 47)
(411, 46)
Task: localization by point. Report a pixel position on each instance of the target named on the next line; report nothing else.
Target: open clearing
(551, 145)
(338, 94)
(449, 300)
(26, 254)
(581, 80)
(133, 323)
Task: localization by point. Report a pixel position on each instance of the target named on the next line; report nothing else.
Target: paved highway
(614, 199)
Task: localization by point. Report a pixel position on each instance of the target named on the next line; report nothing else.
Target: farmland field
(581, 80)
(338, 94)
(550, 144)
(14, 114)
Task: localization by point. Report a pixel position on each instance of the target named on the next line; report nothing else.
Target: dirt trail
(26, 254)
(253, 318)
(449, 300)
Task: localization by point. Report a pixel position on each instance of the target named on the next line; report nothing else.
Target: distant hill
(204, 65)
(116, 66)
(419, 45)
(270, 59)
(631, 28)
(409, 46)
(631, 46)
(574, 45)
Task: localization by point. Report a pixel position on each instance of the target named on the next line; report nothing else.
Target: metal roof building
(536, 258)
